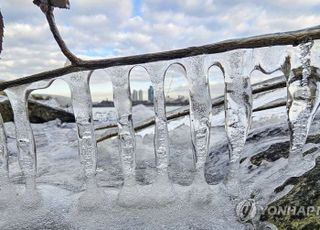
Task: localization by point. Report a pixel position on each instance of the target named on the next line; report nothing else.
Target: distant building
(150, 94)
(134, 96)
(140, 95)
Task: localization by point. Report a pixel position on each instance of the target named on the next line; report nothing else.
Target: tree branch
(275, 39)
(41, 76)
(55, 32)
(1, 31)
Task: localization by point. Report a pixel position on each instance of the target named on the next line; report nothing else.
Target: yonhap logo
(293, 210)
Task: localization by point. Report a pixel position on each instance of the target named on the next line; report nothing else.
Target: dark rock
(38, 113)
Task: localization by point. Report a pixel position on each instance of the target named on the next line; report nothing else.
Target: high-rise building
(134, 96)
(150, 94)
(140, 95)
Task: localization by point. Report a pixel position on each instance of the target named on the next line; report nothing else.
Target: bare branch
(41, 76)
(47, 6)
(55, 32)
(1, 31)
(276, 39)
(65, 4)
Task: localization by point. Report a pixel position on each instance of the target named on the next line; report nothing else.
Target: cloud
(106, 28)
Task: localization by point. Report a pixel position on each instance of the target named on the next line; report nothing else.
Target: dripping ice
(303, 98)
(199, 198)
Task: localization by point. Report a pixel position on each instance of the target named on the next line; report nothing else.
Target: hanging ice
(156, 72)
(82, 109)
(4, 167)
(5, 189)
(200, 110)
(18, 97)
(162, 190)
(238, 108)
(303, 99)
(123, 104)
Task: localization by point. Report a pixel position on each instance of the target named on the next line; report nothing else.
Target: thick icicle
(18, 97)
(82, 109)
(238, 109)
(123, 104)
(157, 72)
(162, 189)
(303, 99)
(4, 167)
(200, 110)
(5, 188)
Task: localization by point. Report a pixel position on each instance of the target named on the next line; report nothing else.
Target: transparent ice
(303, 98)
(238, 110)
(123, 104)
(18, 97)
(235, 201)
(82, 109)
(156, 72)
(200, 109)
(5, 186)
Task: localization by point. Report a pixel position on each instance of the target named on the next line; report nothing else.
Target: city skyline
(137, 95)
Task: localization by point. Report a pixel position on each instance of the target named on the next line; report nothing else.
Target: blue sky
(109, 28)
(136, 7)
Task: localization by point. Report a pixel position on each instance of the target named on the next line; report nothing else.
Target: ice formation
(24, 137)
(200, 110)
(4, 168)
(82, 109)
(303, 98)
(237, 195)
(123, 104)
(156, 72)
(238, 110)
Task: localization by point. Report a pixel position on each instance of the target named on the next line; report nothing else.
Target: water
(109, 114)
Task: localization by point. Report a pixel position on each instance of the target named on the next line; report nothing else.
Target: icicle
(24, 136)
(5, 188)
(200, 110)
(238, 108)
(82, 109)
(4, 167)
(162, 189)
(303, 99)
(156, 72)
(123, 104)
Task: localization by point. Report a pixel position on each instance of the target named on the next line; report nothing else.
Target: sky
(112, 28)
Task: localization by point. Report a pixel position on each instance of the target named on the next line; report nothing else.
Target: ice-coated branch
(40, 76)
(275, 39)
